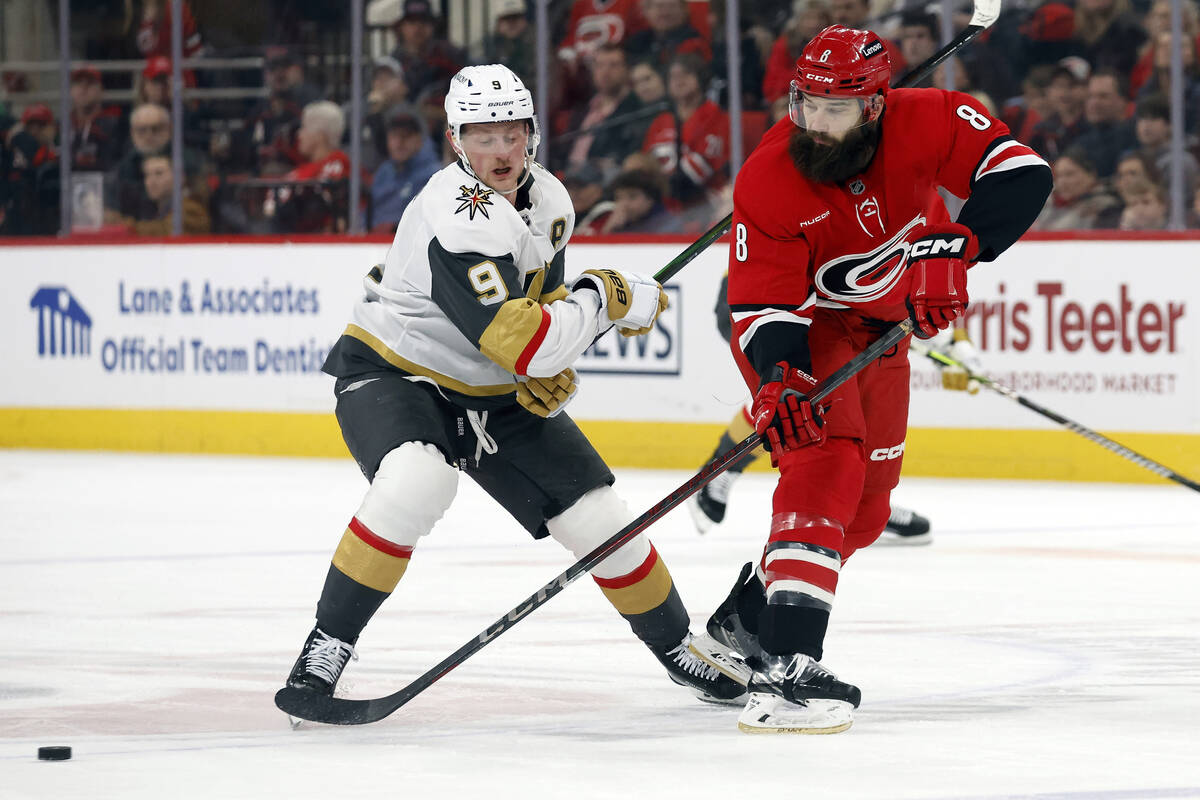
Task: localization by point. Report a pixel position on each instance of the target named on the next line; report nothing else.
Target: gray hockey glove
(547, 396)
(632, 301)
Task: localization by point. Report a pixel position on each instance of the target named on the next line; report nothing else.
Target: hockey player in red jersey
(836, 238)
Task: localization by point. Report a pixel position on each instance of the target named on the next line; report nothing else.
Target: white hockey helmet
(489, 93)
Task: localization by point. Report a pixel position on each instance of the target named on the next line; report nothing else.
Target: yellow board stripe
(372, 568)
(397, 360)
(936, 452)
(646, 595)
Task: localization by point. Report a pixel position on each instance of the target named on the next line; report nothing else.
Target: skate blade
(768, 713)
(295, 722)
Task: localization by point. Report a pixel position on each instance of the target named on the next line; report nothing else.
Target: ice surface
(1046, 645)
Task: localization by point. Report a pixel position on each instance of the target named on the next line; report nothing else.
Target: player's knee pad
(413, 487)
(593, 519)
(869, 521)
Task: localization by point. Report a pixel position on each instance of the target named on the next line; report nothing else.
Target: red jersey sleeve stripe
(534, 343)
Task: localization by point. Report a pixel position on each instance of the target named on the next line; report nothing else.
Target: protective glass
(831, 115)
(494, 140)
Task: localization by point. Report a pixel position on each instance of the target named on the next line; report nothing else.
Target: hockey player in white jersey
(458, 358)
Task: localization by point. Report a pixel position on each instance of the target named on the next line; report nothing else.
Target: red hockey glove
(938, 262)
(782, 413)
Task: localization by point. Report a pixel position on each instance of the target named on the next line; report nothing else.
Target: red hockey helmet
(841, 64)
(844, 62)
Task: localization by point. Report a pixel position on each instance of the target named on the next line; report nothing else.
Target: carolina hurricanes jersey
(471, 294)
(700, 151)
(597, 22)
(798, 244)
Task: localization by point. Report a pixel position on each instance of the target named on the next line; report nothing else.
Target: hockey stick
(986, 12)
(1074, 427)
(340, 711)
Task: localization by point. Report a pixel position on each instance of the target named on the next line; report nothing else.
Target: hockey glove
(938, 262)
(547, 396)
(782, 413)
(632, 301)
(960, 348)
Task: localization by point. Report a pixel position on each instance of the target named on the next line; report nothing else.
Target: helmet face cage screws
(490, 93)
(841, 80)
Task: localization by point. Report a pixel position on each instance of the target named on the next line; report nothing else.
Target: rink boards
(216, 348)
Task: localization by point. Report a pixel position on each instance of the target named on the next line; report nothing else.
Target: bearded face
(824, 159)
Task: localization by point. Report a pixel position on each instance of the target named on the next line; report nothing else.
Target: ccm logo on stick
(887, 453)
(923, 248)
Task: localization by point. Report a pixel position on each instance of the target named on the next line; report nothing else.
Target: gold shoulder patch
(511, 331)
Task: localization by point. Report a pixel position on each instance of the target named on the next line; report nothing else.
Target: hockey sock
(784, 629)
(801, 564)
(647, 599)
(365, 570)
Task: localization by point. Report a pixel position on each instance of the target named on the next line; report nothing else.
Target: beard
(837, 161)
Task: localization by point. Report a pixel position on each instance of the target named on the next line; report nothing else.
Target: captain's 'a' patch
(474, 199)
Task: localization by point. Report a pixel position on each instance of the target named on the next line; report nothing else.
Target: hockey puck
(56, 753)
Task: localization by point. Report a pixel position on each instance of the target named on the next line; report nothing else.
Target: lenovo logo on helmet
(810, 76)
(872, 49)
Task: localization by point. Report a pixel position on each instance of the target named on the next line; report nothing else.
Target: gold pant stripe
(646, 595)
(372, 568)
(510, 332)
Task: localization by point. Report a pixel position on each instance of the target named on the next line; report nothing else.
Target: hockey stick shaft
(1084, 431)
(986, 12)
(339, 711)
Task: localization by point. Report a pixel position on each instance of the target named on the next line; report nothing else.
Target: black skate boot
(794, 694)
(905, 527)
(707, 506)
(709, 670)
(321, 662)
(725, 625)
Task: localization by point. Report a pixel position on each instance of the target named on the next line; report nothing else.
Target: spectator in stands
(1153, 128)
(1134, 168)
(156, 218)
(1108, 34)
(650, 87)
(1158, 22)
(1066, 98)
(1145, 208)
(1022, 114)
(427, 59)
(598, 22)
(94, 142)
(1110, 131)
(963, 81)
(155, 84)
(668, 34)
(411, 161)
(857, 14)
(585, 184)
(638, 205)
(513, 41)
(432, 105)
(596, 141)
(1079, 200)
(1160, 80)
(920, 33)
(781, 62)
(753, 46)
(388, 90)
(28, 160)
(154, 32)
(316, 208)
(150, 134)
(275, 120)
(690, 141)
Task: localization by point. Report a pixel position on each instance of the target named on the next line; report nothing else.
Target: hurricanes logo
(862, 277)
(474, 199)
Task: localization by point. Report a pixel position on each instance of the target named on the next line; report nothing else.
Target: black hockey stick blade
(1084, 431)
(309, 705)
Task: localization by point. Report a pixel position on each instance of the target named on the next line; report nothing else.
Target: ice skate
(905, 528)
(707, 506)
(794, 694)
(725, 625)
(708, 669)
(321, 662)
